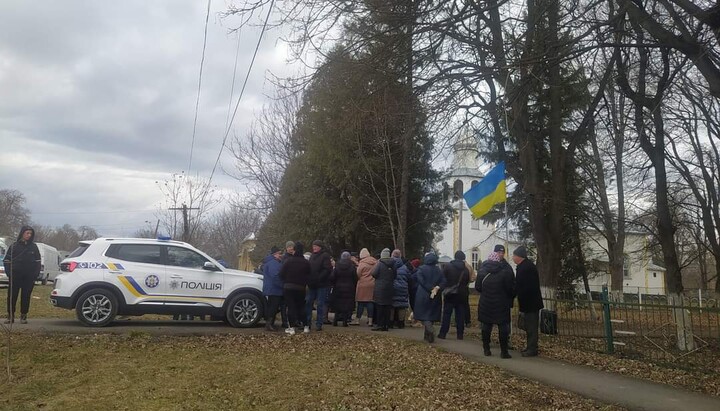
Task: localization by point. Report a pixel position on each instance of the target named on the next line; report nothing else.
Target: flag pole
(507, 227)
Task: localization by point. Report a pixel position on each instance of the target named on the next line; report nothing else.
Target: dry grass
(40, 306)
(319, 371)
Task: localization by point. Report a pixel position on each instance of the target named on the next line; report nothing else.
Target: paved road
(605, 387)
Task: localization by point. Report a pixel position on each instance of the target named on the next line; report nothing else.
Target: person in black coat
(455, 294)
(428, 303)
(529, 298)
(22, 265)
(295, 273)
(319, 285)
(384, 273)
(343, 280)
(496, 285)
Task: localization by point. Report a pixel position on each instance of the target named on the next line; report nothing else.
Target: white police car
(132, 276)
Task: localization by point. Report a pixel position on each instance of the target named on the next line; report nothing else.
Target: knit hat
(317, 243)
(345, 255)
(364, 253)
(396, 253)
(459, 255)
(415, 262)
(494, 257)
(299, 248)
(385, 253)
(520, 252)
(290, 244)
(274, 250)
(499, 248)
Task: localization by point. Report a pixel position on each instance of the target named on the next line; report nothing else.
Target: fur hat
(494, 257)
(459, 255)
(290, 244)
(385, 253)
(499, 248)
(520, 252)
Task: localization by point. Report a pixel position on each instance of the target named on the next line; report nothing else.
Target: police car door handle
(114, 272)
(175, 276)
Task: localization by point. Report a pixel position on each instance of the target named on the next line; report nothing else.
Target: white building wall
(641, 276)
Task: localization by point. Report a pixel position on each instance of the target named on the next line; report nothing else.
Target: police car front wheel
(244, 310)
(96, 307)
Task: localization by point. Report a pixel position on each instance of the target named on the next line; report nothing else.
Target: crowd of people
(391, 289)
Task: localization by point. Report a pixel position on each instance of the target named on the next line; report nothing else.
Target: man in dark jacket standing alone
(319, 285)
(22, 266)
(527, 283)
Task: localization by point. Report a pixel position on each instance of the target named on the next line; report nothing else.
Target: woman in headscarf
(496, 285)
(428, 301)
(342, 298)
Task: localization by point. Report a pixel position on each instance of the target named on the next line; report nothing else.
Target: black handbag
(521, 321)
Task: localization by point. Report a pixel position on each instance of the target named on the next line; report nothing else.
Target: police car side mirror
(210, 266)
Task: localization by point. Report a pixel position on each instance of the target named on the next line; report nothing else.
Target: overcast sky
(98, 99)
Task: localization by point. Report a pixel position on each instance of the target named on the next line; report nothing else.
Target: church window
(475, 224)
(474, 258)
(458, 189)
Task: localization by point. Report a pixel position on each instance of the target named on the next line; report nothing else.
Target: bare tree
(187, 201)
(695, 155)
(13, 213)
(262, 155)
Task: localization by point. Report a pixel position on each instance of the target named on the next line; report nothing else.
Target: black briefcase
(548, 322)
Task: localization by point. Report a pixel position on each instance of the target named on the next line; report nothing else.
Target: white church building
(472, 236)
(478, 239)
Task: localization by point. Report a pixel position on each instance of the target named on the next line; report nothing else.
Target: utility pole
(185, 209)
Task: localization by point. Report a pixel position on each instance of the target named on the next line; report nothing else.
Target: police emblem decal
(174, 284)
(152, 281)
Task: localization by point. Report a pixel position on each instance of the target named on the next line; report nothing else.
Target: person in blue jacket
(428, 298)
(273, 288)
(401, 298)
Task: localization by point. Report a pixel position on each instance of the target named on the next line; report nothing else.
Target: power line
(197, 100)
(242, 91)
(91, 212)
(232, 85)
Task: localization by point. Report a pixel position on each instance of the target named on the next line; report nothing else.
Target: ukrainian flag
(488, 192)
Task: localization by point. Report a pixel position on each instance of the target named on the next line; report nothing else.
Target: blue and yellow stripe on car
(132, 286)
(136, 290)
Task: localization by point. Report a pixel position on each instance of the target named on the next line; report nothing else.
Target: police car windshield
(79, 251)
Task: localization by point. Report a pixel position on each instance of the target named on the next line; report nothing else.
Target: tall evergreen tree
(344, 186)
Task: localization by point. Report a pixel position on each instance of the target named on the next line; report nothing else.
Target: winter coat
(23, 258)
(295, 272)
(401, 287)
(527, 285)
(429, 276)
(495, 283)
(321, 267)
(343, 279)
(384, 274)
(272, 284)
(456, 272)
(366, 282)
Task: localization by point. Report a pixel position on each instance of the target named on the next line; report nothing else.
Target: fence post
(610, 347)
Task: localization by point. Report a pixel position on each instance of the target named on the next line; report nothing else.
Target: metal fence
(651, 328)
